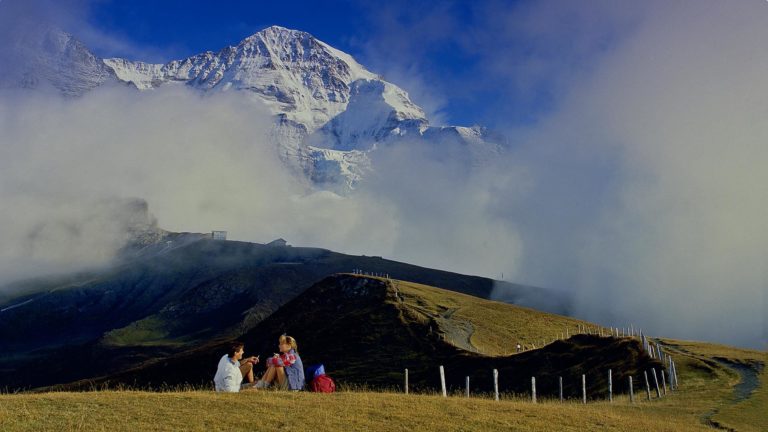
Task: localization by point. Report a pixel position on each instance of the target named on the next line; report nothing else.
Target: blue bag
(315, 371)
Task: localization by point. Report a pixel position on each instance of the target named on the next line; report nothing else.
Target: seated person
(232, 369)
(285, 367)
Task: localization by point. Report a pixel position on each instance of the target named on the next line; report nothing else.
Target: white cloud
(649, 195)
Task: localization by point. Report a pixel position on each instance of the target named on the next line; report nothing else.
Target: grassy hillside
(750, 414)
(712, 366)
(367, 330)
(483, 326)
(169, 299)
(128, 411)
(705, 387)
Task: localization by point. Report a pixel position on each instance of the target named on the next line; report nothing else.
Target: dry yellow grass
(697, 366)
(705, 390)
(749, 415)
(705, 398)
(354, 411)
(495, 324)
(712, 350)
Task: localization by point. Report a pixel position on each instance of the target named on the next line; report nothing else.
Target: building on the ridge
(219, 235)
(279, 242)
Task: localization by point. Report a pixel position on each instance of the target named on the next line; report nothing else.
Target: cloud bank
(635, 178)
(648, 195)
(204, 163)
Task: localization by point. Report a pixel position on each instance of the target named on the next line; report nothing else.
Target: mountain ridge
(330, 112)
(164, 299)
(366, 330)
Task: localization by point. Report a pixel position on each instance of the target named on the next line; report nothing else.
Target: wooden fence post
(669, 374)
(560, 379)
(674, 372)
(610, 385)
(467, 381)
(406, 381)
(672, 385)
(583, 388)
(663, 382)
(533, 389)
(631, 391)
(496, 384)
(656, 381)
(647, 386)
(442, 381)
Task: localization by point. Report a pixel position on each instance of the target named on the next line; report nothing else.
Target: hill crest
(367, 330)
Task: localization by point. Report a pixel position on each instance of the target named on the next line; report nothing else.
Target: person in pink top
(286, 368)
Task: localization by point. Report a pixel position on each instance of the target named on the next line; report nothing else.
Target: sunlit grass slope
(367, 330)
(705, 365)
(706, 387)
(750, 414)
(705, 399)
(496, 327)
(204, 411)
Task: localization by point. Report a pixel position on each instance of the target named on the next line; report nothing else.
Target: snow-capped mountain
(51, 59)
(294, 74)
(330, 111)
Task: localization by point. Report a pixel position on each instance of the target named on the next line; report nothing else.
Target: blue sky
(181, 28)
(497, 63)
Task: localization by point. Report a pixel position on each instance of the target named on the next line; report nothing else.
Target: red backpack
(323, 384)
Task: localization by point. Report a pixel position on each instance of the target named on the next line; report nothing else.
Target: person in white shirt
(233, 368)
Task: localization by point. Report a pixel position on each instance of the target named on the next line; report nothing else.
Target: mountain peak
(329, 110)
(50, 58)
(276, 29)
(278, 34)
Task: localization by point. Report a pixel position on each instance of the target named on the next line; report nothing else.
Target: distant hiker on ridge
(232, 370)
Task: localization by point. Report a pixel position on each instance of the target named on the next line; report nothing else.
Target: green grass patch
(150, 331)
